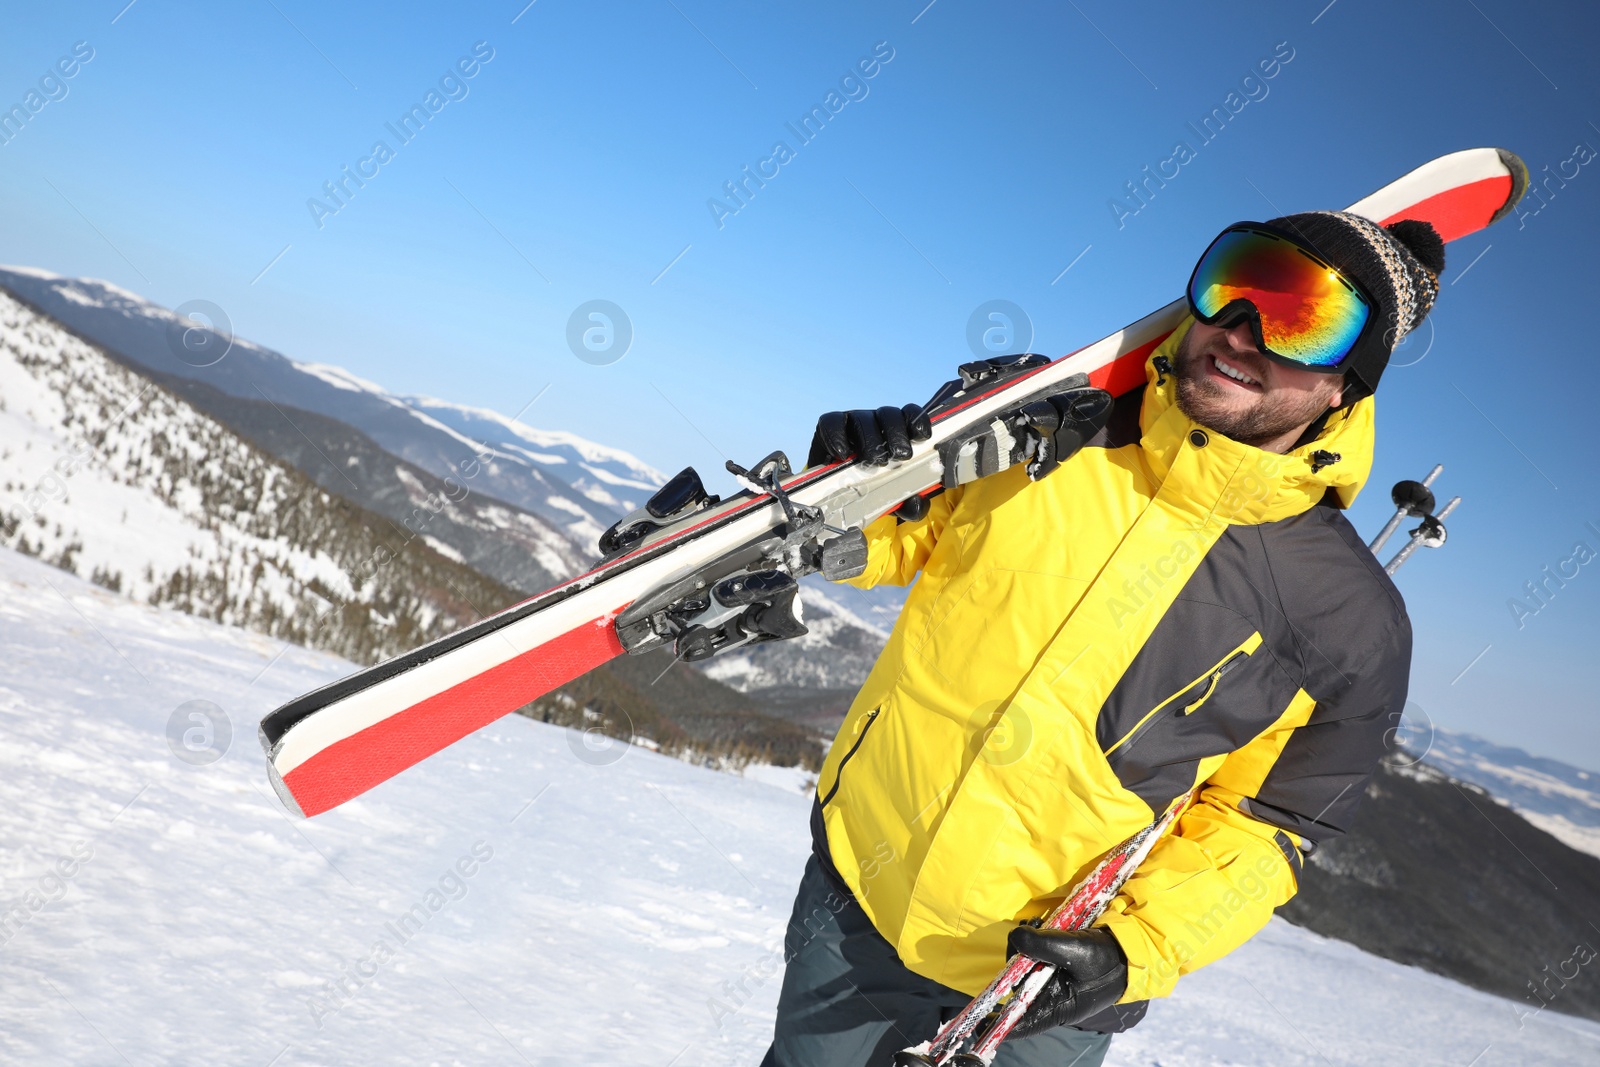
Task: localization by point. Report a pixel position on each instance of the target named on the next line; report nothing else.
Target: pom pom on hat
(1422, 241)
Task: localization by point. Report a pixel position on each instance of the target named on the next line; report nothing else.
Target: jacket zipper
(1214, 674)
(862, 736)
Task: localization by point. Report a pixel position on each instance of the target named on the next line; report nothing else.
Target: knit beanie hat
(1398, 264)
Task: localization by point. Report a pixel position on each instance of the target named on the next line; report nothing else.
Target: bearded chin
(1265, 419)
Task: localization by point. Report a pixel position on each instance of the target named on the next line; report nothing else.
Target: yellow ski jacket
(1169, 608)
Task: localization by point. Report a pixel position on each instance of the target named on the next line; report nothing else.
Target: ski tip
(1457, 194)
(1519, 183)
(284, 794)
(264, 737)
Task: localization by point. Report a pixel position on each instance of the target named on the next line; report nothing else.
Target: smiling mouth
(1233, 374)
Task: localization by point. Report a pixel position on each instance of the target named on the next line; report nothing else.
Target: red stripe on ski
(1460, 211)
(1127, 370)
(350, 767)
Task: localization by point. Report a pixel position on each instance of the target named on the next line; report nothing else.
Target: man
(1180, 604)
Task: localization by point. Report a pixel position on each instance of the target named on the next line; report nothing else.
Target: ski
(703, 575)
(975, 1034)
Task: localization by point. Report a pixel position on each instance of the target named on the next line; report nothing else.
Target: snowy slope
(531, 472)
(103, 474)
(1558, 798)
(621, 902)
(82, 379)
(206, 927)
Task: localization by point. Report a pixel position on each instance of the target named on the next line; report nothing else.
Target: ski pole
(1431, 534)
(1410, 498)
(1022, 978)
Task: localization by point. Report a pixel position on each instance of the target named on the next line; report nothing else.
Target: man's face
(1270, 410)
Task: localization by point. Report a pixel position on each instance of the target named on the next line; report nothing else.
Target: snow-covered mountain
(115, 477)
(110, 477)
(581, 488)
(1434, 873)
(609, 477)
(1558, 798)
(514, 547)
(843, 643)
(509, 486)
(535, 901)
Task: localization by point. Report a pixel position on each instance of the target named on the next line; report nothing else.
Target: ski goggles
(1303, 311)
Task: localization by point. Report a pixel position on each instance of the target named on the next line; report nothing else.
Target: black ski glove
(1060, 425)
(874, 437)
(1091, 975)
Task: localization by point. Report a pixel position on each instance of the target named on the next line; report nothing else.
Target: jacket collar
(1239, 483)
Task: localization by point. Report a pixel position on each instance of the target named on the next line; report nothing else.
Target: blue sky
(978, 162)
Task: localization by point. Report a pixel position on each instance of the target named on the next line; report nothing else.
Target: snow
(793, 779)
(642, 474)
(32, 272)
(1569, 833)
(832, 598)
(629, 483)
(78, 290)
(443, 549)
(616, 480)
(339, 378)
(1290, 997)
(116, 507)
(527, 462)
(1560, 799)
(828, 656)
(78, 296)
(207, 926)
(614, 898)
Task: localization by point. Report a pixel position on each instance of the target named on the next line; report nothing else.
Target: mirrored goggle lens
(1309, 313)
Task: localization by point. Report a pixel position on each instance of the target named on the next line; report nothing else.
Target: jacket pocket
(838, 776)
(1191, 697)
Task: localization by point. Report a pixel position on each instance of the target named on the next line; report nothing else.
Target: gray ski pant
(848, 1001)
